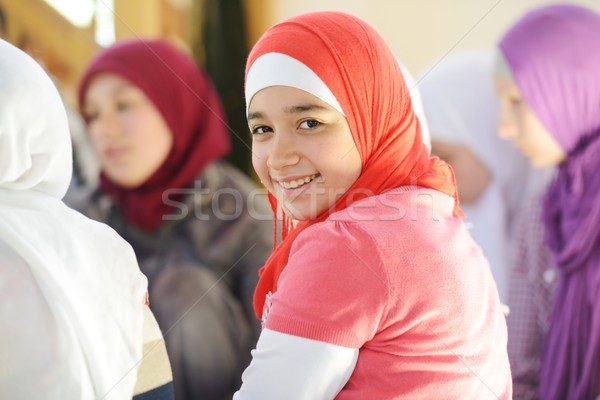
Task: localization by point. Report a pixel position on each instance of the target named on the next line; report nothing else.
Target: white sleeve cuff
(295, 368)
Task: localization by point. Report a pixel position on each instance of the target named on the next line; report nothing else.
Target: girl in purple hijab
(550, 101)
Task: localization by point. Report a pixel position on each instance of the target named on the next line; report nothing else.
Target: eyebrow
(290, 110)
(124, 87)
(115, 92)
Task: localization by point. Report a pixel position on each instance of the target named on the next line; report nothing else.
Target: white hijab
(71, 293)
(417, 103)
(462, 108)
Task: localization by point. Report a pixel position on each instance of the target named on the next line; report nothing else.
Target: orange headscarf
(360, 70)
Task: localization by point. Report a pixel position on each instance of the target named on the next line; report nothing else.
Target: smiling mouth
(297, 183)
(112, 154)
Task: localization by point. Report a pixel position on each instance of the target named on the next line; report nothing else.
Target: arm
(290, 367)
(327, 306)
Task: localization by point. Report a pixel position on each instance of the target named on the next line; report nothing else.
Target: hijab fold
(190, 105)
(356, 65)
(65, 281)
(554, 56)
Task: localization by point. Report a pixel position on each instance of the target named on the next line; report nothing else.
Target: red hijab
(187, 101)
(363, 74)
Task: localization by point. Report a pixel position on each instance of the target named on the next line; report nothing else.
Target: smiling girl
(378, 291)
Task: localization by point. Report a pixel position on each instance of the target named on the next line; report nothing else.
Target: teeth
(297, 182)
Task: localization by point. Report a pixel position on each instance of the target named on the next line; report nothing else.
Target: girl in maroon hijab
(158, 128)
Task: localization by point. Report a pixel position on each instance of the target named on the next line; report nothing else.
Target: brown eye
(122, 106)
(261, 130)
(309, 124)
(515, 100)
(90, 116)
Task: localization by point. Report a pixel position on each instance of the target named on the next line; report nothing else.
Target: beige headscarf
(71, 293)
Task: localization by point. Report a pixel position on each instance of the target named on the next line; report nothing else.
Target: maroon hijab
(187, 101)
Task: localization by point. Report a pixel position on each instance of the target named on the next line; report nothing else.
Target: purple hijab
(554, 55)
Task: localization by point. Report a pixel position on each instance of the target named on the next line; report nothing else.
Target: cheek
(95, 137)
(508, 126)
(161, 145)
(355, 169)
(259, 162)
(531, 132)
(151, 132)
(133, 125)
(531, 127)
(506, 116)
(347, 166)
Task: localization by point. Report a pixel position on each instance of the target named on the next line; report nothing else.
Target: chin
(541, 163)
(296, 216)
(123, 182)
(299, 215)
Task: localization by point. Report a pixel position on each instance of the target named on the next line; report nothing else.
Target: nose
(507, 131)
(105, 125)
(507, 126)
(283, 151)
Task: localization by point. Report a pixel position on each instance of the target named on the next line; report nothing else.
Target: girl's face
(128, 132)
(302, 150)
(519, 123)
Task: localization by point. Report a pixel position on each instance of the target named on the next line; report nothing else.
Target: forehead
(285, 99)
(506, 86)
(106, 84)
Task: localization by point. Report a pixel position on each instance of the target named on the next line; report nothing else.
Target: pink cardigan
(399, 278)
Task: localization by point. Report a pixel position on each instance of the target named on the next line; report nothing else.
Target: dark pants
(207, 334)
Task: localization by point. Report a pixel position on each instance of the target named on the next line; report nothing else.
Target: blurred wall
(418, 31)
(154, 18)
(60, 46)
(65, 49)
(259, 17)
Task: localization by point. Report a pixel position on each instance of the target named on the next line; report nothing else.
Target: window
(81, 13)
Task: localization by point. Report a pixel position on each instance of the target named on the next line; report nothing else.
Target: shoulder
(403, 218)
(402, 237)
(405, 211)
(225, 215)
(337, 258)
(334, 240)
(403, 204)
(100, 239)
(92, 202)
(335, 287)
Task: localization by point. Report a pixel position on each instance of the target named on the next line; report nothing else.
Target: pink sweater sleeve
(334, 288)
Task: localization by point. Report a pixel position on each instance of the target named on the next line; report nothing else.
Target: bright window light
(81, 12)
(105, 22)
